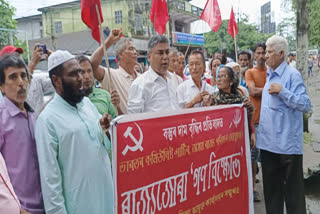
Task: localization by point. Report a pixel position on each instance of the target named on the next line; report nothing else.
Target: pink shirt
(9, 202)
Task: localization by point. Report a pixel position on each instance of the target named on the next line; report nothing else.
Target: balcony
(183, 11)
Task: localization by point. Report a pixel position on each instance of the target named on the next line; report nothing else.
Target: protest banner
(186, 162)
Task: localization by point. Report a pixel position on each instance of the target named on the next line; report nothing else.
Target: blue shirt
(281, 121)
(243, 83)
(74, 165)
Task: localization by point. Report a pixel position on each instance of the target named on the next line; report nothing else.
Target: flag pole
(110, 85)
(235, 44)
(185, 54)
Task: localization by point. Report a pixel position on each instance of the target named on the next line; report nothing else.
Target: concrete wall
(31, 26)
(71, 17)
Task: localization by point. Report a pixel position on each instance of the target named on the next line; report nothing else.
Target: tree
(247, 37)
(6, 22)
(314, 22)
(287, 29)
(302, 36)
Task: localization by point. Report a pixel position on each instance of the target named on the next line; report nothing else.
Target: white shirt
(40, 86)
(121, 81)
(188, 90)
(176, 80)
(150, 92)
(293, 63)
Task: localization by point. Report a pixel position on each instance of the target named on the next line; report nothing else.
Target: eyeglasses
(222, 76)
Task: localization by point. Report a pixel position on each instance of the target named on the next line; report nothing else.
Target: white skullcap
(57, 58)
(232, 64)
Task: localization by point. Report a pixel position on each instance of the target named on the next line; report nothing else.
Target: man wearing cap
(7, 50)
(40, 84)
(17, 141)
(74, 165)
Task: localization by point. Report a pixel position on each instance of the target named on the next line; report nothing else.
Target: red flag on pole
(232, 27)
(159, 15)
(90, 17)
(211, 14)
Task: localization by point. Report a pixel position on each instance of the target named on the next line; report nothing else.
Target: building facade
(62, 25)
(267, 26)
(31, 25)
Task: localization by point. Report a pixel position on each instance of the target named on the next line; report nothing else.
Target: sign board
(184, 38)
(185, 162)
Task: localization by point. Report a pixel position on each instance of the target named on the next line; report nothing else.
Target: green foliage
(247, 37)
(313, 19)
(6, 21)
(314, 22)
(287, 29)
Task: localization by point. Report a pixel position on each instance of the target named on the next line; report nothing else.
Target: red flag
(211, 14)
(232, 27)
(90, 17)
(159, 15)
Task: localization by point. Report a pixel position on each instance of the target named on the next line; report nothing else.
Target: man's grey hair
(153, 41)
(172, 51)
(278, 43)
(121, 45)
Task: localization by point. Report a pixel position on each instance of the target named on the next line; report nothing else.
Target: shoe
(256, 196)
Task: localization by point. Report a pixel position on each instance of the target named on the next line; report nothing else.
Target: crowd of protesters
(55, 156)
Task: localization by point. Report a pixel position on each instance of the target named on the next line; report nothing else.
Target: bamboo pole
(185, 54)
(235, 44)
(110, 83)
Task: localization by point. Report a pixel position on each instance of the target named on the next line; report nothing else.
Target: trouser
(283, 182)
(309, 71)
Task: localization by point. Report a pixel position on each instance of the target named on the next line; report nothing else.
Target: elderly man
(154, 89)
(280, 134)
(121, 78)
(17, 142)
(74, 165)
(174, 67)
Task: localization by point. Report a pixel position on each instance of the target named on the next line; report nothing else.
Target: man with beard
(74, 165)
(17, 142)
(154, 90)
(255, 79)
(99, 97)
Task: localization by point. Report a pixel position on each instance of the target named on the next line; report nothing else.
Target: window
(138, 22)
(194, 10)
(118, 16)
(180, 5)
(58, 27)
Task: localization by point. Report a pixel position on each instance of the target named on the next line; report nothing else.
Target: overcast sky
(249, 7)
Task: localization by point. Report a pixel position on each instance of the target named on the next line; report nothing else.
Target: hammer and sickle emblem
(138, 143)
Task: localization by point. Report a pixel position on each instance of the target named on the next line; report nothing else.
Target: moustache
(22, 90)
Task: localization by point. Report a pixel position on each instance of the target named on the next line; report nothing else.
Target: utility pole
(53, 39)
